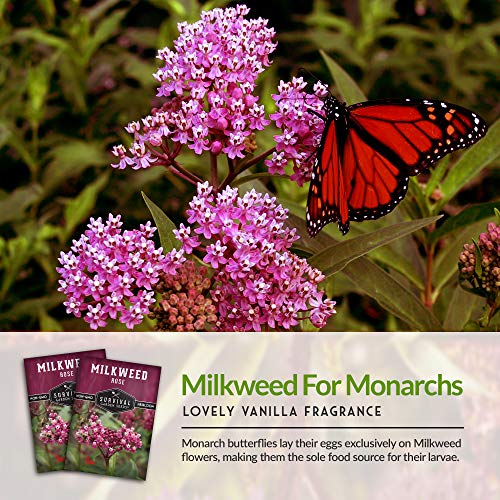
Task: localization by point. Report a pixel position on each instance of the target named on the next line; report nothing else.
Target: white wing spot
(443, 105)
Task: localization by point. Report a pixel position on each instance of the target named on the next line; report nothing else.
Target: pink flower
(297, 117)
(55, 430)
(208, 79)
(257, 282)
(109, 441)
(109, 273)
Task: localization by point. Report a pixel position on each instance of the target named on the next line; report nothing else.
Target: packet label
(51, 382)
(113, 416)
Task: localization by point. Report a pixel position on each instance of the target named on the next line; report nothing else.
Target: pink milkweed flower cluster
(258, 283)
(56, 430)
(109, 441)
(109, 273)
(208, 80)
(301, 128)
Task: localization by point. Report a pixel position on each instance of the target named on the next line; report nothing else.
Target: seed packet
(51, 383)
(113, 415)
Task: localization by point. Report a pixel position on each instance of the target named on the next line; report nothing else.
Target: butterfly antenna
(312, 75)
(305, 70)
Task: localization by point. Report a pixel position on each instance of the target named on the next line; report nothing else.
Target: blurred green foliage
(73, 75)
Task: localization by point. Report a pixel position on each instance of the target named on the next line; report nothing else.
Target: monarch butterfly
(369, 150)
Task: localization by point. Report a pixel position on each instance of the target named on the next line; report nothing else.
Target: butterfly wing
(415, 133)
(327, 200)
(375, 185)
(363, 166)
(391, 139)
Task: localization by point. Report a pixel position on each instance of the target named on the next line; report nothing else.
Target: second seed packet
(113, 415)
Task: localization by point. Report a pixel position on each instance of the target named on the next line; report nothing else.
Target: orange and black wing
(375, 185)
(415, 133)
(363, 165)
(327, 200)
(389, 140)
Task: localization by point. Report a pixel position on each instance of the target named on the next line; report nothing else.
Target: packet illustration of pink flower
(51, 381)
(113, 415)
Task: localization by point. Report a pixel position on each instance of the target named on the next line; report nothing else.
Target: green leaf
(12, 207)
(107, 28)
(48, 323)
(71, 159)
(99, 9)
(401, 262)
(112, 465)
(126, 468)
(459, 310)
(457, 8)
(48, 8)
(78, 209)
(38, 35)
(38, 82)
(164, 225)
(478, 268)
(72, 456)
(19, 251)
(175, 7)
(471, 163)
(335, 257)
(138, 69)
(391, 294)
(466, 217)
(73, 82)
(262, 175)
(437, 174)
(10, 136)
(344, 84)
(446, 262)
(404, 31)
(31, 307)
(41, 456)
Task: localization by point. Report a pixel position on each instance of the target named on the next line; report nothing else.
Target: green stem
(428, 276)
(51, 467)
(110, 464)
(233, 173)
(35, 144)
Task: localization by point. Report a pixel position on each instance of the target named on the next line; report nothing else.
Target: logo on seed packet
(63, 394)
(115, 400)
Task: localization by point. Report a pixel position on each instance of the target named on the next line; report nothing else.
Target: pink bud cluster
(488, 278)
(297, 117)
(56, 430)
(258, 283)
(109, 441)
(209, 79)
(109, 273)
(185, 304)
